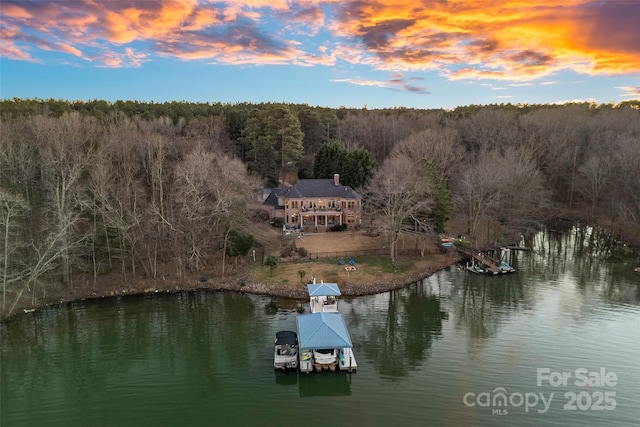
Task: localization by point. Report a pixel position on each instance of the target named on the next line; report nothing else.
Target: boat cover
(323, 289)
(286, 337)
(322, 330)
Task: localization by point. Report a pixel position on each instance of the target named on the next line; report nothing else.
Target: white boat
(325, 356)
(285, 354)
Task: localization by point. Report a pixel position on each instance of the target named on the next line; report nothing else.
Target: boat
(504, 267)
(475, 268)
(446, 243)
(285, 355)
(325, 357)
(486, 265)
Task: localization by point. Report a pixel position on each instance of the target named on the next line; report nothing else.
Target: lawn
(368, 270)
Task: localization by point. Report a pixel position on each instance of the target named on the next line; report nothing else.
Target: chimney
(336, 179)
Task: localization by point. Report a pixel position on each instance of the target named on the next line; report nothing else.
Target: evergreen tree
(358, 168)
(239, 243)
(282, 126)
(355, 167)
(274, 139)
(442, 204)
(329, 160)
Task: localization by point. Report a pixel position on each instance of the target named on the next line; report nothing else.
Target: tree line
(90, 188)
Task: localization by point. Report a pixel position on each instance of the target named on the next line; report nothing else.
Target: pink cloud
(505, 40)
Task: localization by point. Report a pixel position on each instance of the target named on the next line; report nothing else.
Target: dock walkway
(490, 263)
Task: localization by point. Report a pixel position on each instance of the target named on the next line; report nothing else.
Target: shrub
(271, 262)
(286, 252)
(338, 227)
(302, 252)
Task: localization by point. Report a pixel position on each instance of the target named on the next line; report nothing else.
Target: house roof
(272, 199)
(318, 188)
(322, 330)
(323, 289)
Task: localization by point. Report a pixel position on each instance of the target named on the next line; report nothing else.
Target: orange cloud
(499, 39)
(630, 91)
(506, 40)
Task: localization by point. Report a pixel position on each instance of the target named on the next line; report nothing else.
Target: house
(316, 204)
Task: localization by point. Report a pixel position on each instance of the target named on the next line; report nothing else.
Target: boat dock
(324, 342)
(322, 332)
(484, 264)
(323, 297)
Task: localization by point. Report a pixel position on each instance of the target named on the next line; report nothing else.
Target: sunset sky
(385, 53)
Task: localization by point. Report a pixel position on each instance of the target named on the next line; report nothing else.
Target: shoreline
(239, 282)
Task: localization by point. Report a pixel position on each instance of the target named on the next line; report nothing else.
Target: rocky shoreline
(240, 282)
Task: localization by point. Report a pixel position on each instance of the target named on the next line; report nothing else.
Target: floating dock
(483, 264)
(324, 331)
(323, 297)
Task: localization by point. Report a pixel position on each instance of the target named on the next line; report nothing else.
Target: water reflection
(325, 384)
(190, 358)
(288, 378)
(398, 329)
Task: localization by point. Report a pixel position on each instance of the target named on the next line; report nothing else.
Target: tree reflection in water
(399, 337)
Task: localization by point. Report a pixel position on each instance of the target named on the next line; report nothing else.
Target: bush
(338, 227)
(286, 252)
(277, 222)
(302, 252)
(271, 262)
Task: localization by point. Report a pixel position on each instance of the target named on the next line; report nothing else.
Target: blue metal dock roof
(323, 289)
(322, 330)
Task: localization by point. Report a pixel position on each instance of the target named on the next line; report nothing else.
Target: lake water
(557, 343)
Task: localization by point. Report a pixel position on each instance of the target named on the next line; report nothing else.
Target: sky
(329, 53)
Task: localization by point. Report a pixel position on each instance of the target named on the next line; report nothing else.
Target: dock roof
(322, 330)
(323, 289)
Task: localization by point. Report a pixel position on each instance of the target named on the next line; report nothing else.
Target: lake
(556, 343)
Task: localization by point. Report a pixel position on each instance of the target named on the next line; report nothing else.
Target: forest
(97, 188)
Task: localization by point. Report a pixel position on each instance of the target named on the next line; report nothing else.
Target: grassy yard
(368, 270)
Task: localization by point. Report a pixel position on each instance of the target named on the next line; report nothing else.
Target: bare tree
(476, 193)
(397, 193)
(155, 151)
(119, 192)
(380, 131)
(506, 187)
(212, 131)
(209, 195)
(12, 206)
(593, 178)
(488, 129)
(66, 147)
(523, 197)
(625, 185)
(440, 146)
